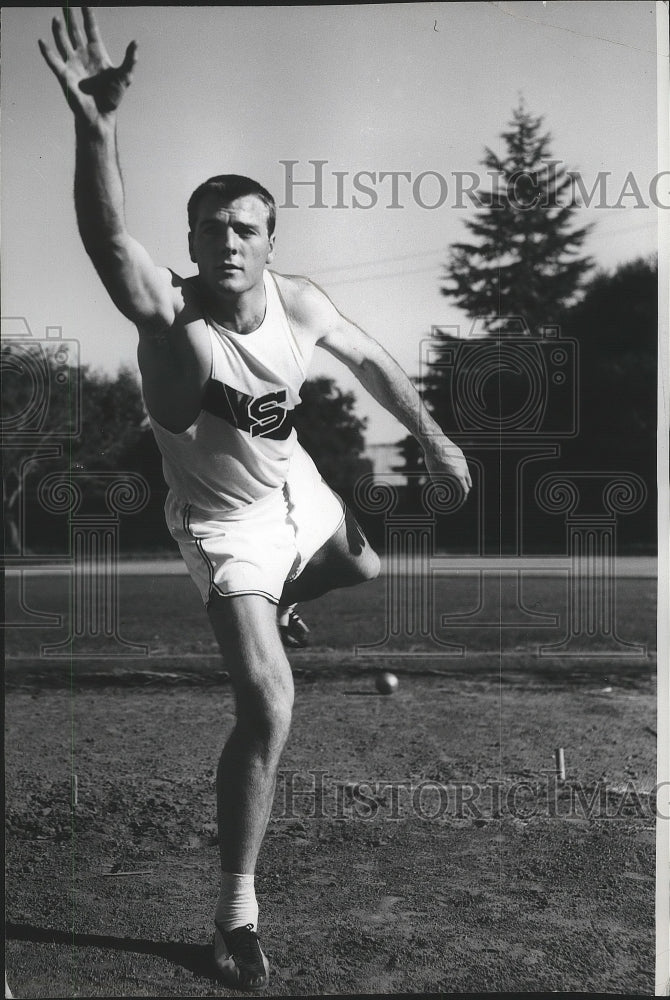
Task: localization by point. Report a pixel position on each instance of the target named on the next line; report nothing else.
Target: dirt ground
(491, 877)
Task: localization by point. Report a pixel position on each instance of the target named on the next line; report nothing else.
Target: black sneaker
(295, 634)
(239, 959)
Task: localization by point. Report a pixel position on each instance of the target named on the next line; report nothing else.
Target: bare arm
(94, 89)
(386, 382)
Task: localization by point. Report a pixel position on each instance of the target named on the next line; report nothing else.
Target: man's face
(230, 243)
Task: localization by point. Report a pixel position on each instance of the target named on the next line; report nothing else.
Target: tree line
(81, 422)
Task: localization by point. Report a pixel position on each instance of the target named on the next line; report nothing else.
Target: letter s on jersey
(266, 414)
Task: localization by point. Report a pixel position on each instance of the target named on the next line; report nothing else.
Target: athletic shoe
(295, 634)
(239, 959)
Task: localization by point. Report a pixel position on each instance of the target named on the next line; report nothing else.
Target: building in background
(385, 457)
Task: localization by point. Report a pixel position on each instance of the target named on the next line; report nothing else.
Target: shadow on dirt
(195, 958)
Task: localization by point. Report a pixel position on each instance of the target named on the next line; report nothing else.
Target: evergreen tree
(524, 260)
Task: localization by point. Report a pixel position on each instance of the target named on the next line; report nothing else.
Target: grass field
(419, 843)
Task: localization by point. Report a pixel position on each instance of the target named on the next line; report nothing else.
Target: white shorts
(257, 548)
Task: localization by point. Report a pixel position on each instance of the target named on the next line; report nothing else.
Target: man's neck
(241, 313)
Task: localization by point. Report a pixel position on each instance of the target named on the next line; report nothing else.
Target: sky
(420, 88)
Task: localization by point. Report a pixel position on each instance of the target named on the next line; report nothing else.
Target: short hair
(229, 187)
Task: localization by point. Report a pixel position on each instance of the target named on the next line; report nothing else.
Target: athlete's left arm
(386, 382)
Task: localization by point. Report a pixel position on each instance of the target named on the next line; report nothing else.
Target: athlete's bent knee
(373, 565)
(366, 567)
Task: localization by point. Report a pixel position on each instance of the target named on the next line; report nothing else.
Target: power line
(626, 229)
(570, 31)
(429, 253)
(377, 277)
(381, 260)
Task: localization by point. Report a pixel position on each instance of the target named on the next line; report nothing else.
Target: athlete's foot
(294, 633)
(239, 959)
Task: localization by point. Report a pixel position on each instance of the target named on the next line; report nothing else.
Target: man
(222, 356)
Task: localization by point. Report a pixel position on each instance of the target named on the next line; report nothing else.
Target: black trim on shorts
(213, 588)
(239, 593)
(198, 544)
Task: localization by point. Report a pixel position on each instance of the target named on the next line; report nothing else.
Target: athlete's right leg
(246, 630)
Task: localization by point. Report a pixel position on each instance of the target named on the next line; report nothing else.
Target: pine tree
(524, 261)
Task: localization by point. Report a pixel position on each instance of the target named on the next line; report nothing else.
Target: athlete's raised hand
(443, 456)
(93, 87)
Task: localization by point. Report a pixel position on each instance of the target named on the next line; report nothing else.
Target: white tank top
(237, 450)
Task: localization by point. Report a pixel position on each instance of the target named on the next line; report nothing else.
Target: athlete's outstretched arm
(94, 88)
(385, 380)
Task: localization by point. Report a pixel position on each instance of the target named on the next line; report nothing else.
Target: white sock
(237, 904)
